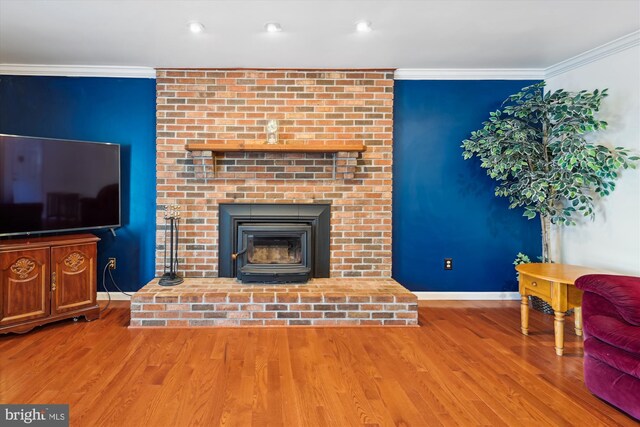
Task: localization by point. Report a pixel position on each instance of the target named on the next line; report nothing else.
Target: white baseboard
(479, 296)
(115, 296)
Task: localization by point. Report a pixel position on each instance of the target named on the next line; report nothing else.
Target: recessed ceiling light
(196, 27)
(272, 27)
(363, 26)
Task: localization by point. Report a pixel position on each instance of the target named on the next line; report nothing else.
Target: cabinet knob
(53, 281)
(534, 284)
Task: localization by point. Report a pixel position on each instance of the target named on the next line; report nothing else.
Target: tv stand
(46, 279)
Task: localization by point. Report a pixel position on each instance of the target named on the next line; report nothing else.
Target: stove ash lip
(235, 219)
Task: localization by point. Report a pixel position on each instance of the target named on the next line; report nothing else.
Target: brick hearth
(321, 302)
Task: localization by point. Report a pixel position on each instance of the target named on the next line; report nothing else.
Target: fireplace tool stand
(172, 221)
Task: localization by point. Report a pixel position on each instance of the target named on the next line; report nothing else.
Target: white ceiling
(407, 34)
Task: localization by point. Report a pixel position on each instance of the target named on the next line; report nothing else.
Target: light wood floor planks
(466, 365)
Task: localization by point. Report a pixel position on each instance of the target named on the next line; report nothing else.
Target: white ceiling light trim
(617, 45)
(77, 70)
(469, 74)
(196, 27)
(273, 27)
(364, 27)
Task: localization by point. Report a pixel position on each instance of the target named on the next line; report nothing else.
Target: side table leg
(578, 318)
(558, 327)
(524, 315)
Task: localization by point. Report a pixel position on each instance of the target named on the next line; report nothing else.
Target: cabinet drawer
(534, 286)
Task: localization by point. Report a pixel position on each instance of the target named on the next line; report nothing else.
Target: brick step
(322, 302)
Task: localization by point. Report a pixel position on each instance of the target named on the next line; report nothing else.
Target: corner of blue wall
(444, 206)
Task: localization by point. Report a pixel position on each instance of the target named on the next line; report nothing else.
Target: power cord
(104, 285)
(116, 285)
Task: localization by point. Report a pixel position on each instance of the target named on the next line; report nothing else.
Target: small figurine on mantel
(272, 132)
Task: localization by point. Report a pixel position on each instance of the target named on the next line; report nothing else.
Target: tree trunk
(544, 221)
(546, 238)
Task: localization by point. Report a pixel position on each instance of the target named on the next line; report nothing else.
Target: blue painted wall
(444, 206)
(114, 110)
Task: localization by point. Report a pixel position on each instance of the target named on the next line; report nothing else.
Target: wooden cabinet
(47, 279)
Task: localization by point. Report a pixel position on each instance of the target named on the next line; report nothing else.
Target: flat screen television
(52, 185)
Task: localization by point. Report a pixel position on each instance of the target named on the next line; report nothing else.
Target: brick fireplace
(231, 108)
(311, 106)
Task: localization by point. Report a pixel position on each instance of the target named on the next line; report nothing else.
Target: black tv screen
(49, 185)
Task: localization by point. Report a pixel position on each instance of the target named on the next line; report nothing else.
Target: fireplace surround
(274, 243)
(349, 212)
(313, 107)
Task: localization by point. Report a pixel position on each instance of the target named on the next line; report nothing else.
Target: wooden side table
(553, 283)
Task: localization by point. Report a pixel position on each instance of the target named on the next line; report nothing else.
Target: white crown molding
(618, 45)
(615, 46)
(469, 74)
(580, 60)
(115, 296)
(77, 71)
(468, 296)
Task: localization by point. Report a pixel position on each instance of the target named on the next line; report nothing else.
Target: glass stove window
(274, 250)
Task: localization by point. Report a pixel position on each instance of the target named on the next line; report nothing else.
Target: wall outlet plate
(111, 263)
(448, 263)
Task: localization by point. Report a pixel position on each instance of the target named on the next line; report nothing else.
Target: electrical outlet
(112, 263)
(448, 263)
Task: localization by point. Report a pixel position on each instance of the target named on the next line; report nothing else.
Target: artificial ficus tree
(538, 147)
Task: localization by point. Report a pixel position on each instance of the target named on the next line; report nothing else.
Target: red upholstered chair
(611, 316)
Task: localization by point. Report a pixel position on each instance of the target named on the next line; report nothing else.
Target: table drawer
(535, 286)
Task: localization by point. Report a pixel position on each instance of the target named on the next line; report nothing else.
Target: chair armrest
(621, 291)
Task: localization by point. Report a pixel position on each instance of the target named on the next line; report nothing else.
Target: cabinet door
(73, 276)
(24, 285)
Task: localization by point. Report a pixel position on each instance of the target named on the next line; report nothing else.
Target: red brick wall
(311, 106)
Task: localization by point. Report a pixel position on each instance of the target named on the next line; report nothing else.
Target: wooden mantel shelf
(229, 147)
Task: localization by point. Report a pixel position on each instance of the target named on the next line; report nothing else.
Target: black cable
(116, 285)
(104, 286)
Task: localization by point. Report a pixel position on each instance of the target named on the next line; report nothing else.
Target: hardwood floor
(466, 365)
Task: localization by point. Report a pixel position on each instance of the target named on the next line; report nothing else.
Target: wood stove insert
(273, 253)
(274, 243)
